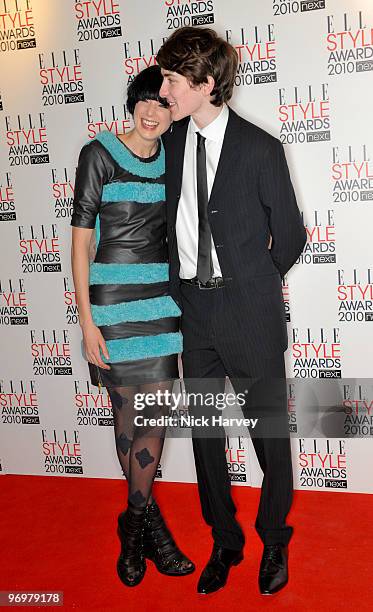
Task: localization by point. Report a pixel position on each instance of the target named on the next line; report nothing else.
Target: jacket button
(219, 246)
(214, 211)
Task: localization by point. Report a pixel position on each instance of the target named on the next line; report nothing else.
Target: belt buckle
(212, 283)
(200, 284)
(218, 282)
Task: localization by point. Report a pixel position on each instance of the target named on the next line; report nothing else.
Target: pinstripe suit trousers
(217, 344)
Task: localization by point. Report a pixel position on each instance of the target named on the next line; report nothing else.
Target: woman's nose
(151, 108)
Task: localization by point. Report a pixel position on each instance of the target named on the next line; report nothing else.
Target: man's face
(184, 99)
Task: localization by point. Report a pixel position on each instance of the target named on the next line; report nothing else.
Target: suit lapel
(229, 157)
(176, 147)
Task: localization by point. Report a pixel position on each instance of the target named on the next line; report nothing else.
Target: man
(229, 199)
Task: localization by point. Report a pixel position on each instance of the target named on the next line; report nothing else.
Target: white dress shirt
(187, 213)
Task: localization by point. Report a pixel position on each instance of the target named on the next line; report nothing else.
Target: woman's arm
(92, 337)
(91, 175)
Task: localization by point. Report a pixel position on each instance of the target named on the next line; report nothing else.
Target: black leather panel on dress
(103, 295)
(139, 229)
(140, 371)
(140, 328)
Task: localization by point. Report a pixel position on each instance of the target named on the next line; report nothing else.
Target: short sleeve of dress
(91, 176)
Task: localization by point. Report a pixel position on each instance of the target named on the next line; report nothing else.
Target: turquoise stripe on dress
(138, 310)
(142, 347)
(145, 193)
(97, 231)
(130, 162)
(128, 274)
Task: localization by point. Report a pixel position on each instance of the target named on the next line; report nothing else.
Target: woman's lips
(148, 124)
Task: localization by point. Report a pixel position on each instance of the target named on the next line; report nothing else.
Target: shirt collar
(214, 130)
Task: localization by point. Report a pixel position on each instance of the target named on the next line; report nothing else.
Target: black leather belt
(213, 283)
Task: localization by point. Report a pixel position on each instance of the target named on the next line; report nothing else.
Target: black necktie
(204, 260)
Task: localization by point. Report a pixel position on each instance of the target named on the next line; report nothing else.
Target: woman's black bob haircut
(145, 86)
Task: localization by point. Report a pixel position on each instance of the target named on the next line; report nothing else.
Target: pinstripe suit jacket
(252, 199)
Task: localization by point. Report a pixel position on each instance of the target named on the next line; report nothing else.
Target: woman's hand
(93, 343)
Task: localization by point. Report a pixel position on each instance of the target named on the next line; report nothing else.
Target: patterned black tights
(139, 447)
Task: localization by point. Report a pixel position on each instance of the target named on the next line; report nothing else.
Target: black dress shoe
(215, 574)
(273, 572)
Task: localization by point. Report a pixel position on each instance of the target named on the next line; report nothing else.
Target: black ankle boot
(160, 547)
(131, 563)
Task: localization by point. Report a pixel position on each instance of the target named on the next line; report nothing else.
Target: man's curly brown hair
(197, 53)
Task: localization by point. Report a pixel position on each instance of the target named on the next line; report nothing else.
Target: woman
(129, 321)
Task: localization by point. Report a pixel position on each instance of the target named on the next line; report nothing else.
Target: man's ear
(209, 86)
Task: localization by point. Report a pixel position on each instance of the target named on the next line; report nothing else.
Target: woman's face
(151, 119)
